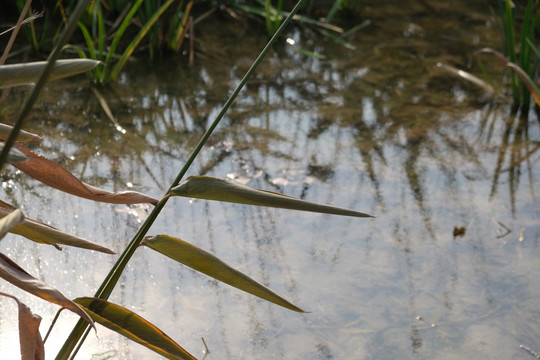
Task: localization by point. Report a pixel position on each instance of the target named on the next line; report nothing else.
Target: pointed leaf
(15, 218)
(204, 187)
(212, 266)
(31, 343)
(20, 74)
(469, 77)
(45, 234)
(132, 326)
(14, 274)
(527, 81)
(53, 175)
(24, 136)
(535, 92)
(14, 155)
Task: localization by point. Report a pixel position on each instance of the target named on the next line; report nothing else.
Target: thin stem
(111, 280)
(15, 32)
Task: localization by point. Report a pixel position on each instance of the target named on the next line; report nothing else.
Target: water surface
(375, 126)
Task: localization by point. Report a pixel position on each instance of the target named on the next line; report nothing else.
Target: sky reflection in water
(380, 129)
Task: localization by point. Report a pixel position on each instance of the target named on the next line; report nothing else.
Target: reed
(97, 308)
(518, 46)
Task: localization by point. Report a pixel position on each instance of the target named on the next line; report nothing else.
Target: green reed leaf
(27, 73)
(533, 48)
(132, 326)
(212, 266)
(204, 187)
(118, 35)
(88, 39)
(135, 42)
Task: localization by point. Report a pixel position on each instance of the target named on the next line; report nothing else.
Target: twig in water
(205, 346)
(508, 230)
(530, 351)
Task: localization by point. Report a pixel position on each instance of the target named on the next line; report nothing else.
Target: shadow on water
(378, 128)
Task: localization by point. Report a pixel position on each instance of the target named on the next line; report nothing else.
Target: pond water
(375, 126)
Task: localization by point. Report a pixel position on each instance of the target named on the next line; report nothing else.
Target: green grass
(518, 40)
(113, 31)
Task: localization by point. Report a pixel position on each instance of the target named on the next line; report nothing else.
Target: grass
(521, 54)
(518, 46)
(113, 31)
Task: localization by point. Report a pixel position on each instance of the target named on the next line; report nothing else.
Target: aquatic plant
(521, 57)
(98, 308)
(112, 63)
(274, 15)
(520, 53)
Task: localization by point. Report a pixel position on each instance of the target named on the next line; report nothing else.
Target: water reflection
(515, 151)
(380, 129)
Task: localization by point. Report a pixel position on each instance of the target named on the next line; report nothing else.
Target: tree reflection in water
(379, 128)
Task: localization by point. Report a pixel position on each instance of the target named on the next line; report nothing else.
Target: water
(378, 128)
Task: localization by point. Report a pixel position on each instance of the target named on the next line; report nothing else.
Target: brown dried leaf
(53, 175)
(32, 346)
(14, 274)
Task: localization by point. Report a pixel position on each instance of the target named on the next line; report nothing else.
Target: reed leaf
(13, 273)
(179, 32)
(519, 73)
(132, 326)
(45, 234)
(471, 78)
(23, 136)
(88, 39)
(15, 218)
(119, 33)
(206, 263)
(31, 343)
(535, 49)
(142, 33)
(204, 187)
(526, 80)
(28, 73)
(333, 11)
(55, 176)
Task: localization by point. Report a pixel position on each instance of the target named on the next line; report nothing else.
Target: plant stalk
(111, 280)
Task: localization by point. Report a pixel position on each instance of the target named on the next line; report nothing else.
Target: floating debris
(459, 231)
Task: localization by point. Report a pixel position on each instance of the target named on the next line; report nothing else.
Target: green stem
(111, 280)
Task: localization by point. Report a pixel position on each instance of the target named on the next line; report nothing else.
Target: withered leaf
(45, 234)
(32, 346)
(14, 274)
(55, 176)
